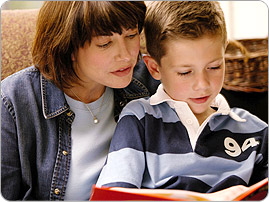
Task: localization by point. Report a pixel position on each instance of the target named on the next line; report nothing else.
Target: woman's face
(108, 60)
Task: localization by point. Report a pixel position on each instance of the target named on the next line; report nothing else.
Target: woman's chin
(121, 83)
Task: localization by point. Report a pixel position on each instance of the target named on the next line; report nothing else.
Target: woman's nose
(123, 52)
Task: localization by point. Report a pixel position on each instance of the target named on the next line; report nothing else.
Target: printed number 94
(234, 150)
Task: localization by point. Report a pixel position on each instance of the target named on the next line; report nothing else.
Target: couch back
(17, 35)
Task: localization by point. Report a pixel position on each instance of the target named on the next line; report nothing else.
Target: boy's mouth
(200, 100)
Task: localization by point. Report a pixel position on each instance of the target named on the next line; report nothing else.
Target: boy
(185, 136)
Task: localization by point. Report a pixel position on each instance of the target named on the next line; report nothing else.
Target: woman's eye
(104, 45)
(131, 36)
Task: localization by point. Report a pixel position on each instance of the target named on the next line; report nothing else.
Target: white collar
(219, 102)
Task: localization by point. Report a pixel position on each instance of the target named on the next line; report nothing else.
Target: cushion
(17, 34)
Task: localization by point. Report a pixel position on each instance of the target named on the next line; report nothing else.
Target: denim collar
(53, 100)
(134, 90)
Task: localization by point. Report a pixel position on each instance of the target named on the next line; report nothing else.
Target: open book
(255, 192)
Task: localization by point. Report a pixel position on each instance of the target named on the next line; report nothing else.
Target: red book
(255, 192)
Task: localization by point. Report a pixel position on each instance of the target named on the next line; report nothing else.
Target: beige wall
(246, 19)
(20, 4)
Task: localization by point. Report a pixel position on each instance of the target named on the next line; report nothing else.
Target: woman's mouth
(200, 100)
(122, 72)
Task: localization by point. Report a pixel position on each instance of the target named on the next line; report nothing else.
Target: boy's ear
(226, 44)
(152, 66)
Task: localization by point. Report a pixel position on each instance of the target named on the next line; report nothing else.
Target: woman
(58, 116)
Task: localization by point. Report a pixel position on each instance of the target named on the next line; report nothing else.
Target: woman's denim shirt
(36, 132)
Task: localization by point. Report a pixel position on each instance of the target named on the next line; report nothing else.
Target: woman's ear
(152, 66)
(73, 58)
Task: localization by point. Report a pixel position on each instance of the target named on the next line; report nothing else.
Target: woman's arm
(10, 162)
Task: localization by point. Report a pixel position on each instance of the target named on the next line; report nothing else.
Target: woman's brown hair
(64, 26)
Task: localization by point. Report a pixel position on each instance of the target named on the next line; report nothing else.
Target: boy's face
(193, 71)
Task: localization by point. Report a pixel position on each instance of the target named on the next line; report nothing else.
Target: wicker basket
(247, 65)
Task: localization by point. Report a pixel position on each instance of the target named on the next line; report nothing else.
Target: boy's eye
(183, 73)
(218, 67)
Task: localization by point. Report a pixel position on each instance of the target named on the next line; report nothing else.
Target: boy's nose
(201, 82)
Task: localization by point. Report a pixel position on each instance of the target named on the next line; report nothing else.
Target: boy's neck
(203, 116)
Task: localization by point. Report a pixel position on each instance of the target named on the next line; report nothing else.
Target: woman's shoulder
(141, 75)
(20, 81)
(21, 75)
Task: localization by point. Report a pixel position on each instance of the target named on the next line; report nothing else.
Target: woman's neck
(86, 94)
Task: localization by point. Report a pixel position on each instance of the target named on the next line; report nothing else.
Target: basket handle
(241, 47)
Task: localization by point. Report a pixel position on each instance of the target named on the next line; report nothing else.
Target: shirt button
(122, 103)
(68, 113)
(57, 191)
(189, 121)
(65, 153)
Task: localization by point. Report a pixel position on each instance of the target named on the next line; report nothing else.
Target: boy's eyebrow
(181, 65)
(216, 60)
(184, 65)
(189, 65)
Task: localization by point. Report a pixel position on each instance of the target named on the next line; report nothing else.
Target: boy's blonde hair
(171, 20)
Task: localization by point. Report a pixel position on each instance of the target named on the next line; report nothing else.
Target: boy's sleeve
(260, 170)
(125, 163)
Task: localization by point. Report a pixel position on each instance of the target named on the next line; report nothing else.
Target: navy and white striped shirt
(152, 147)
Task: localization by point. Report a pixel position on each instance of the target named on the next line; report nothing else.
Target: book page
(223, 195)
(228, 194)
